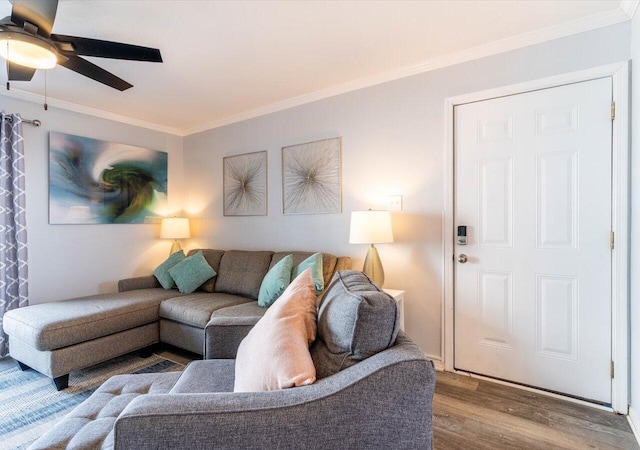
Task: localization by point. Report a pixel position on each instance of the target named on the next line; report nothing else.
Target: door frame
(619, 72)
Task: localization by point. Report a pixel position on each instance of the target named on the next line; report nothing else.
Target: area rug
(30, 405)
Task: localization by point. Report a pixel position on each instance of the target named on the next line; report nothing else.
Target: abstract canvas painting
(93, 181)
(245, 184)
(311, 178)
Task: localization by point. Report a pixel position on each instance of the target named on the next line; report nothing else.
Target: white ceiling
(229, 60)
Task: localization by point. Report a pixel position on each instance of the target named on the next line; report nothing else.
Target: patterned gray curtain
(13, 224)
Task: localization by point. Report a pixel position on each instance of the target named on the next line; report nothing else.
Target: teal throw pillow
(191, 273)
(315, 263)
(162, 271)
(275, 282)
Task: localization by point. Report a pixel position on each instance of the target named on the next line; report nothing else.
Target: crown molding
(95, 112)
(629, 7)
(583, 24)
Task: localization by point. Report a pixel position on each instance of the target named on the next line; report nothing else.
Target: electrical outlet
(393, 202)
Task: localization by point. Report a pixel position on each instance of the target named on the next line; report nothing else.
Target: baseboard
(634, 421)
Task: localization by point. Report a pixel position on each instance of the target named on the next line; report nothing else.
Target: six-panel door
(533, 186)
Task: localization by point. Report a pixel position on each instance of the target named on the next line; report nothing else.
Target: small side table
(398, 296)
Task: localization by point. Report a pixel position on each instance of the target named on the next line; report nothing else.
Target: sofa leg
(146, 352)
(61, 382)
(22, 366)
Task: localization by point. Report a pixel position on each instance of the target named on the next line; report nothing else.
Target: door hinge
(613, 110)
(612, 370)
(612, 240)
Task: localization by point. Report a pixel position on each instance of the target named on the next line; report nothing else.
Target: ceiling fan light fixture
(27, 50)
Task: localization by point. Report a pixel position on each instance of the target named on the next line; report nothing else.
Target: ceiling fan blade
(40, 13)
(17, 72)
(107, 49)
(88, 69)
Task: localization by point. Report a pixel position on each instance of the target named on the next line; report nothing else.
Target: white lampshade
(175, 228)
(370, 227)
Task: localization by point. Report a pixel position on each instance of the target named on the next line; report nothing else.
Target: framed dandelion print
(311, 178)
(245, 184)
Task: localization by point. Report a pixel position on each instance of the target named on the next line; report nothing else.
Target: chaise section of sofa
(60, 337)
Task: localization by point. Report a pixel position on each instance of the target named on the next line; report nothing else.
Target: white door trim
(620, 213)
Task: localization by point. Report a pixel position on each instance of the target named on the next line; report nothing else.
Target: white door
(533, 186)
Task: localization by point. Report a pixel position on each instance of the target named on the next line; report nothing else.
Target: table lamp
(175, 228)
(371, 227)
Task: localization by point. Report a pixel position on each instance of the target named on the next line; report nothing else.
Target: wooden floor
(469, 413)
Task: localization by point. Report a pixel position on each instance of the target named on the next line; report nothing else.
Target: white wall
(393, 143)
(73, 260)
(635, 222)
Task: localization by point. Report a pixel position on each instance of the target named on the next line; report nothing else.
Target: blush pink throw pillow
(275, 353)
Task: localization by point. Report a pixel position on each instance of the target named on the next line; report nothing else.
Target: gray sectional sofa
(60, 337)
(374, 391)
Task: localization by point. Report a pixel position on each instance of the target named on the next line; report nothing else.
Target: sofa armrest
(130, 284)
(384, 401)
(223, 334)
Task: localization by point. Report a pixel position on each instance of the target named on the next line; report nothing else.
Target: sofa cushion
(249, 309)
(328, 262)
(275, 353)
(191, 273)
(196, 309)
(275, 282)
(207, 376)
(356, 319)
(162, 271)
(48, 326)
(228, 327)
(241, 272)
(213, 257)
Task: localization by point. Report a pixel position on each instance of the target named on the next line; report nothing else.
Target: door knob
(462, 258)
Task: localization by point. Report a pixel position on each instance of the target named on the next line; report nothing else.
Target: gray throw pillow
(356, 320)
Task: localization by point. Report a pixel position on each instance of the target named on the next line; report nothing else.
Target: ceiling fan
(26, 42)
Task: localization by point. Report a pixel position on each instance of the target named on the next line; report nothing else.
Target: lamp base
(175, 247)
(373, 266)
